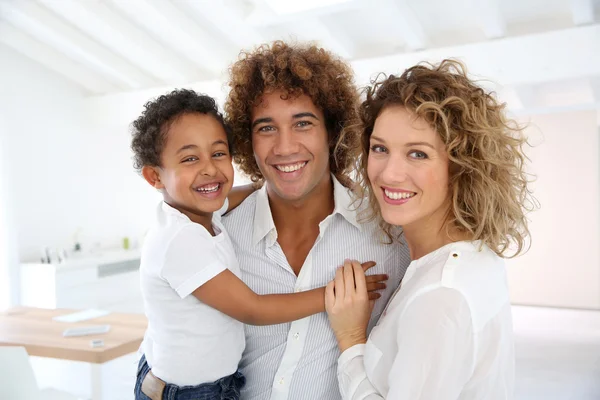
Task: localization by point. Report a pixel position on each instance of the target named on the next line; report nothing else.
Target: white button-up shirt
(297, 361)
(447, 334)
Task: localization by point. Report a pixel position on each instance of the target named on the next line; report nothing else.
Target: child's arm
(239, 194)
(228, 294)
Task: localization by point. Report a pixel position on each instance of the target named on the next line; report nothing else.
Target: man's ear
(152, 176)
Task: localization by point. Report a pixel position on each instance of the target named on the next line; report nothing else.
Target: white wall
(112, 114)
(563, 266)
(68, 166)
(69, 160)
(8, 243)
(63, 175)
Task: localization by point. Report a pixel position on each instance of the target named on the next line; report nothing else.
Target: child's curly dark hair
(295, 69)
(150, 129)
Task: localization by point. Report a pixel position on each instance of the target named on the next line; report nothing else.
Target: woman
(440, 159)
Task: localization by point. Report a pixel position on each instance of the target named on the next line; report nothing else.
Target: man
(287, 107)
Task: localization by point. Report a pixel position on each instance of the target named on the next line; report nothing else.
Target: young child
(194, 299)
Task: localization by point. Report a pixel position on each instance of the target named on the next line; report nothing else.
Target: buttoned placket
(298, 329)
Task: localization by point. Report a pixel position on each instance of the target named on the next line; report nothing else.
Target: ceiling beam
(178, 31)
(109, 27)
(489, 17)
(229, 21)
(510, 60)
(582, 12)
(48, 28)
(405, 22)
(262, 15)
(88, 80)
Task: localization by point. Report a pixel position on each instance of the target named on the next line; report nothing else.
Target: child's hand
(374, 282)
(348, 306)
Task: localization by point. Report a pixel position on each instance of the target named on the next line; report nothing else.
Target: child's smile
(196, 172)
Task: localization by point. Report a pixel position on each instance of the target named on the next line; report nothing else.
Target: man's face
(290, 145)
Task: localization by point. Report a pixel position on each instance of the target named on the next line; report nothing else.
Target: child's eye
(377, 148)
(418, 155)
(190, 159)
(219, 154)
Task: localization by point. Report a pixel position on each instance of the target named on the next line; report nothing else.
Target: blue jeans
(227, 388)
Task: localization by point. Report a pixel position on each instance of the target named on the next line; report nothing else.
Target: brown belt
(153, 387)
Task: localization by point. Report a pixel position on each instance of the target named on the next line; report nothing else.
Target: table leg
(96, 371)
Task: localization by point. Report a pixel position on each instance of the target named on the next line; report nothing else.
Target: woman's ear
(152, 176)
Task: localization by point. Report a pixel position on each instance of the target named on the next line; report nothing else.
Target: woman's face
(408, 170)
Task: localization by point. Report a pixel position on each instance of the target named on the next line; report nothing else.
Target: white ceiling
(542, 53)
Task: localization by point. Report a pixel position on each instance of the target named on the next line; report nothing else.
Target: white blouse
(447, 334)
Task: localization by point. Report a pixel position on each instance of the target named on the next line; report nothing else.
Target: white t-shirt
(446, 335)
(187, 342)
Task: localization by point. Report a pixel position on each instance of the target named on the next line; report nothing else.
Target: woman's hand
(348, 306)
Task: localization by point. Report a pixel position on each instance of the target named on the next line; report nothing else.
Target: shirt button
(296, 335)
(297, 290)
(281, 381)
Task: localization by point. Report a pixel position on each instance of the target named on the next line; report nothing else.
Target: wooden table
(34, 329)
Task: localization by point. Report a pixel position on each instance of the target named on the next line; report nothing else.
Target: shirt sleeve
(190, 260)
(352, 376)
(223, 208)
(435, 357)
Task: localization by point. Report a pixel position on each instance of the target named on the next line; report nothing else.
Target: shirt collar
(263, 219)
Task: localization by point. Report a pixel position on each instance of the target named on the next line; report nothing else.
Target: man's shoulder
(242, 215)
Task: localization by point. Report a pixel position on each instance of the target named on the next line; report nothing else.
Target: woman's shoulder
(479, 274)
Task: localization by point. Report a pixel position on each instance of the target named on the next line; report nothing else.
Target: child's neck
(204, 219)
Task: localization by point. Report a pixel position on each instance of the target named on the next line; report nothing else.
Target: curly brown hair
(295, 69)
(488, 183)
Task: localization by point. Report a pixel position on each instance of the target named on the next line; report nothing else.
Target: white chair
(17, 381)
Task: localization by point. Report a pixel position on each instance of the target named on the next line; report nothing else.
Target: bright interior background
(74, 74)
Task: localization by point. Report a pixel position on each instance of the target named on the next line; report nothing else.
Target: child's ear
(152, 176)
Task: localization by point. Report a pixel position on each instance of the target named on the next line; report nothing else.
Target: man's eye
(266, 128)
(303, 124)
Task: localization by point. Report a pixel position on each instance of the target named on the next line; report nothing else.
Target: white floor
(558, 354)
(558, 358)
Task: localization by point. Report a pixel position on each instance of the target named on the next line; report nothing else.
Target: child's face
(196, 173)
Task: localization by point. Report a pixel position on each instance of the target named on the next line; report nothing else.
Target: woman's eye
(377, 148)
(418, 155)
(219, 154)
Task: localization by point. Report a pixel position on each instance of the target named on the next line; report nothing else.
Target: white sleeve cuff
(349, 354)
(199, 279)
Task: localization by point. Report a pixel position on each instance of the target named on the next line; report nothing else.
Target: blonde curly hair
(295, 69)
(488, 183)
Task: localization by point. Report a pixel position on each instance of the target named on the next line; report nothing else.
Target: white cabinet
(107, 280)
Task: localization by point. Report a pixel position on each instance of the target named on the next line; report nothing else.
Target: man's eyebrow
(305, 114)
(261, 121)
